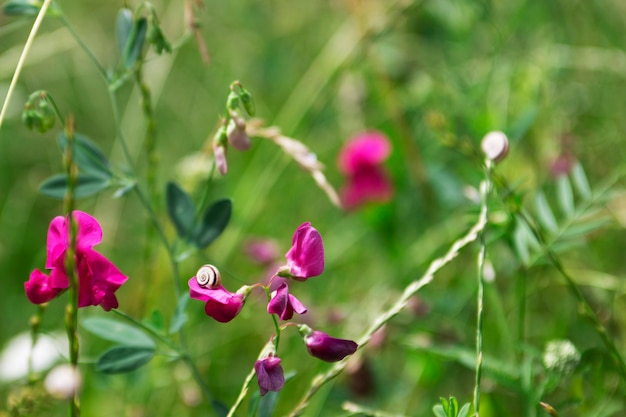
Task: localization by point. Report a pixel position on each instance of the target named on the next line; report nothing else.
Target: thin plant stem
(71, 310)
(83, 46)
(412, 289)
(20, 62)
(485, 188)
(35, 323)
(242, 393)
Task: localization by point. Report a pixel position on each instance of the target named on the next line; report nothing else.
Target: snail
(208, 276)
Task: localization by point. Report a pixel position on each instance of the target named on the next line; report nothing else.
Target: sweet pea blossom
(98, 278)
(325, 347)
(306, 256)
(221, 304)
(360, 160)
(284, 304)
(269, 374)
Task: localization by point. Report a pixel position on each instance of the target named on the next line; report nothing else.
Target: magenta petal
(366, 185)
(221, 304)
(327, 348)
(365, 149)
(38, 288)
(98, 279)
(284, 304)
(269, 374)
(306, 256)
(89, 230)
(57, 241)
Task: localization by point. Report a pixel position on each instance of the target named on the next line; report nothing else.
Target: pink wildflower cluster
(305, 259)
(98, 278)
(360, 161)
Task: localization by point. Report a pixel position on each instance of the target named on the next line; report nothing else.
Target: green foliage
(116, 331)
(450, 408)
(122, 359)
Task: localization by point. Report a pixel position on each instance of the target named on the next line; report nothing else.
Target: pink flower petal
(365, 149)
(38, 288)
(269, 374)
(221, 304)
(284, 304)
(306, 256)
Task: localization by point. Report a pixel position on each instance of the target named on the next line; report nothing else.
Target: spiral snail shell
(208, 276)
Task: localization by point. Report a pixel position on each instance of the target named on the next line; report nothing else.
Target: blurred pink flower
(269, 374)
(98, 278)
(284, 304)
(221, 304)
(261, 251)
(306, 256)
(360, 161)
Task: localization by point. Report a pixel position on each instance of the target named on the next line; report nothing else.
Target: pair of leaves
(450, 408)
(202, 232)
(577, 217)
(131, 35)
(135, 347)
(94, 174)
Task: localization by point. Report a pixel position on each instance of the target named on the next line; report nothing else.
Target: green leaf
(180, 317)
(464, 410)
(123, 27)
(86, 185)
(268, 402)
(155, 321)
(565, 195)
(580, 181)
(120, 359)
(87, 156)
(214, 221)
(180, 209)
(544, 213)
(134, 43)
(585, 228)
(453, 407)
(116, 331)
(439, 411)
(26, 8)
(253, 406)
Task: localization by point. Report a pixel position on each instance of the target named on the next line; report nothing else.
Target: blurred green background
(434, 76)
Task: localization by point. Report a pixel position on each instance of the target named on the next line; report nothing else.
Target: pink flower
(327, 348)
(284, 304)
(269, 374)
(360, 161)
(221, 304)
(98, 278)
(306, 256)
(261, 251)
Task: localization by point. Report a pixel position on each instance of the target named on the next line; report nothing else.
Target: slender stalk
(71, 310)
(83, 46)
(34, 322)
(435, 266)
(242, 393)
(20, 62)
(485, 188)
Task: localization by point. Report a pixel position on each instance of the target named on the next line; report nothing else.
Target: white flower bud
(495, 145)
(63, 382)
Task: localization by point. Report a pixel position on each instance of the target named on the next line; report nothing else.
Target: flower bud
(495, 145)
(247, 101)
(237, 135)
(269, 374)
(325, 347)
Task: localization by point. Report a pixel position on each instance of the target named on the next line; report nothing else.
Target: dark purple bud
(327, 348)
(284, 304)
(269, 374)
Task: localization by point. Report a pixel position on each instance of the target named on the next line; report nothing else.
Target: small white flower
(63, 382)
(495, 145)
(15, 355)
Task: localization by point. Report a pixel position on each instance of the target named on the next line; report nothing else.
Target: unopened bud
(63, 382)
(248, 102)
(495, 145)
(219, 152)
(237, 135)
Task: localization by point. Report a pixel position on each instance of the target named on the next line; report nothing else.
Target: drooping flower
(221, 304)
(269, 374)
(306, 256)
(98, 278)
(360, 161)
(285, 304)
(325, 347)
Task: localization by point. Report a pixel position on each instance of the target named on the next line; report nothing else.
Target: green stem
(83, 46)
(71, 310)
(20, 62)
(35, 323)
(485, 188)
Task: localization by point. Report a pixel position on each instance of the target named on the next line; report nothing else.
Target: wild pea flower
(306, 256)
(360, 161)
(98, 278)
(221, 304)
(269, 374)
(284, 304)
(325, 347)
